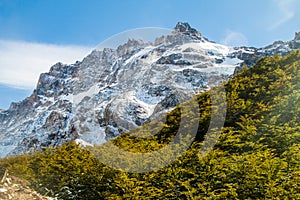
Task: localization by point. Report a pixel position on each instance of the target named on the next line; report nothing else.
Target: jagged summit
(134, 42)
(297, 36)
(185, 28)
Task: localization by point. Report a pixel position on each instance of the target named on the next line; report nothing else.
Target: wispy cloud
(286, 12)
(22, 62)
(234, 38)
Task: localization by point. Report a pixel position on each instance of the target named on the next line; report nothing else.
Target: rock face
(250, 55)
(185, 28)
(297, 37)
(114, 90)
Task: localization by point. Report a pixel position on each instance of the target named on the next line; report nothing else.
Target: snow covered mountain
(114, 90)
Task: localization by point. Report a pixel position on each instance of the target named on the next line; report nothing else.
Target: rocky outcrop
(250, 55)
(185, 28)
(14, 188)
(297, 36)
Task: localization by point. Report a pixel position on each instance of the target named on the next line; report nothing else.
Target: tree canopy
(256, 157)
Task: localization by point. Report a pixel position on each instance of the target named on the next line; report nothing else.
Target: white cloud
(286, 12)
(235, 39)
(22, 62)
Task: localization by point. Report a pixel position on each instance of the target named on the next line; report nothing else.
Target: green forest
(256, 155)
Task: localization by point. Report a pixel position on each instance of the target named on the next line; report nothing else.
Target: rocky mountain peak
(297, 36)
(112, 91)
(132, 43)
(130, 46)
(185, 28)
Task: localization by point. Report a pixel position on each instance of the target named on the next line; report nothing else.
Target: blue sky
(34, 34)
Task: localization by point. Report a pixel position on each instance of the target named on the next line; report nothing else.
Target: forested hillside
(256, 156)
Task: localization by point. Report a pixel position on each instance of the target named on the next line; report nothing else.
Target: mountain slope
(256, 157)
(115, 90)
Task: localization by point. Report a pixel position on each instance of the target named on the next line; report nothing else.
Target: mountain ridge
(126, 86)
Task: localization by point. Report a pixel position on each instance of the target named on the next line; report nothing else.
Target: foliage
(257, 155)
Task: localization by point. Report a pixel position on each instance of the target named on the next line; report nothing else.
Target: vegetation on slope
(257, 155)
